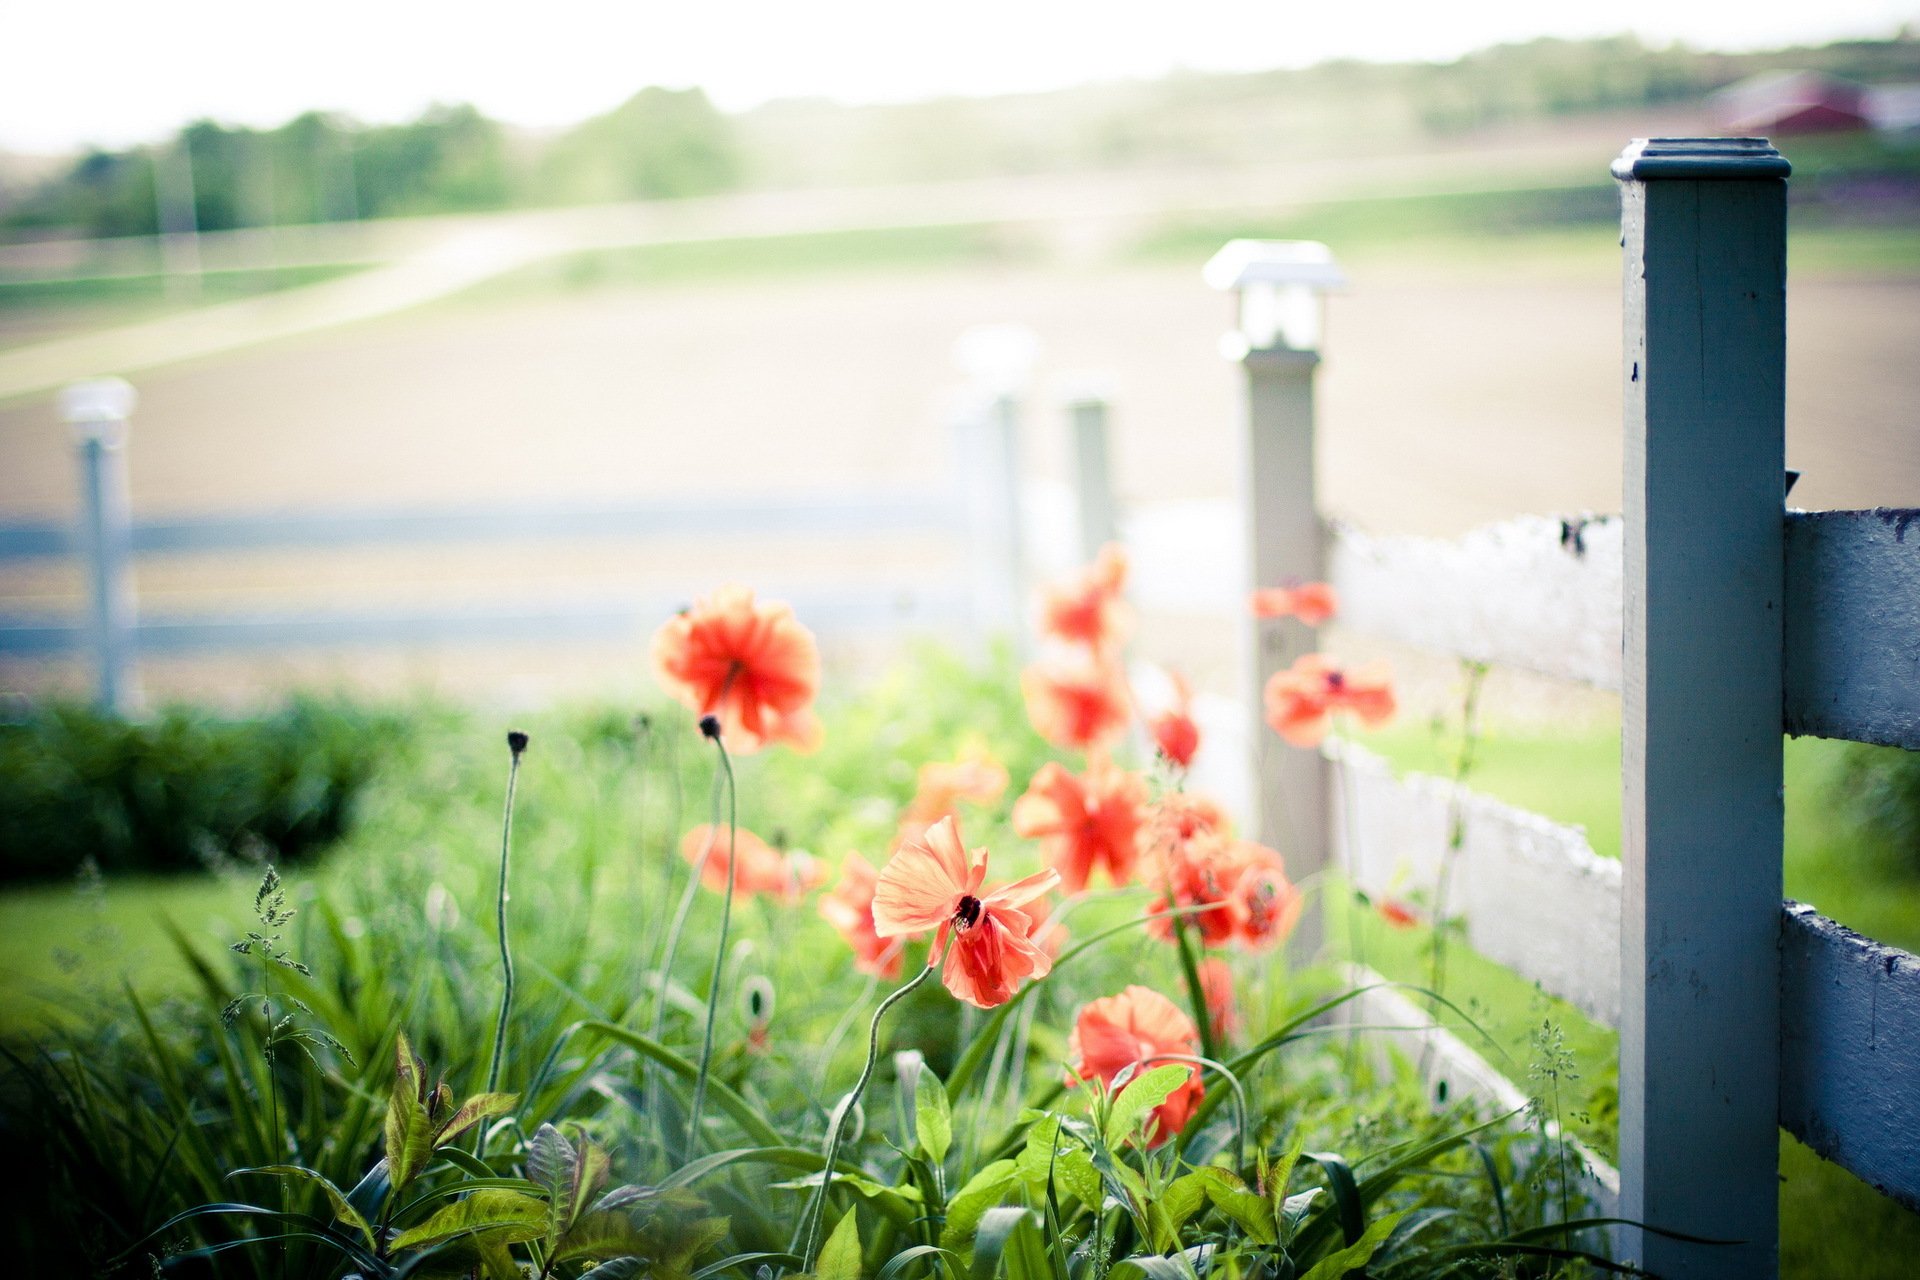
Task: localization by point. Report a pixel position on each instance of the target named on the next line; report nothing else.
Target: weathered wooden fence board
(1534, 895)
(1536, 593)
(1853, 625)
(1850, 1050)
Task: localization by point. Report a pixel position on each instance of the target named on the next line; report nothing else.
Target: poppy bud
(516, 741)
(710, 727)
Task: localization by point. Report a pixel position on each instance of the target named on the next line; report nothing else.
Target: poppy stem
(719, 950)
(1196, 990)
(1456, 819)
(516, 746)
(810, 1223)
(664, 975)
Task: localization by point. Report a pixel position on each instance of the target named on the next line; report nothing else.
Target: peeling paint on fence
(1853, 625)
(1536, 593)
(1850, 1050)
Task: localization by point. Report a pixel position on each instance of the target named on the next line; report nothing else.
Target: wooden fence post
(97, 411)
(1704, 222)
(1099, 519)
(1278, 286)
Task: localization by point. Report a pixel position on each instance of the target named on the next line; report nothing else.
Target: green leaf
(1051, 1153)
(342, 1210)
(970, 1203)
(840, 1256)
(481, 1106)
(997, 1227)
(409, 1131)
(1357, 1254)
(505, 1215)
(932, 1117)
(1182, 1199)
(1249, 1208)
(1145, 1092)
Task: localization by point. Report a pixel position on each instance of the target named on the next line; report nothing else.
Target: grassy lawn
(34, 310)
(1832, 1224)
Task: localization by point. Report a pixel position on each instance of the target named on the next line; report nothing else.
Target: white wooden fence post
(998, 359)
(1276, 343)
(1099, 519)
(97, 411)
(1704, 224)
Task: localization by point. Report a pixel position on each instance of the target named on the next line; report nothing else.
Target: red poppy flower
(1264, 904)
(1396, 913)
(933, 882)
(1216, 985)
(1133, 1029)
(751, 665)
(1301, 699)
(849, 908)
(1089, 610)
(762, 868)
(1079, 707)
(1175, 734)
(1087, 821)
(1311, 602)
(1187, 841)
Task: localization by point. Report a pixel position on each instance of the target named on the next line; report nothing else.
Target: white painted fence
(1723, 619)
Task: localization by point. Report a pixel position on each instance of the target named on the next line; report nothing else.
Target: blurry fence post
(1086, 403)
(998, 360)
(97, 411)
(1704, 223)
(1278, 285)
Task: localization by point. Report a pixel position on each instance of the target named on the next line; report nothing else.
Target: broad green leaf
(970, 1203)
(933, 1118)
(481, 1106)
(840, 1256)
(1052, 1151)
(1182, 1199)
(1143, 1093)
(506, 1215)
(1357, 1254)
(1246, 1207)
(997, 1228)
(409, 1136)
(602, 1236)
(342, 1210)
(1156, 1267)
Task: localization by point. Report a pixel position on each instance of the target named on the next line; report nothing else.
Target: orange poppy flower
(753, 666)
(1133, 1029)
(849, 908)
(762, 868)
(975, 777)
(1087, 822)
(1175, 734)
(1396, 913)
(1301, 699)
(1264, 905)
(1202, 873)
(933, 882)
(1311, 602)
(1216, 985)
(1089, 610)
(1078, 707)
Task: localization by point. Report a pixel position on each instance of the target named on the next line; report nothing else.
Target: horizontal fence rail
(1534, 895)
(733, 515)
(1850, 1050)
(1853, 625)
(1545, 596)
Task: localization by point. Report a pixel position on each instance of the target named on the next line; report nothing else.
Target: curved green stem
(810, 1222)
(719, 951)
(664, 974)
(516, 743)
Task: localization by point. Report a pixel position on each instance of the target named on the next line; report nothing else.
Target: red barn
(1788, 102)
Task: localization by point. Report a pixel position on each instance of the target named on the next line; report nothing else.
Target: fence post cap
(1649, 158)
(94, 400)
(999, 358)
(1084, 387)
(1241, 263)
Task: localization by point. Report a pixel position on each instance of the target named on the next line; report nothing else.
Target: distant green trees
(326, 168)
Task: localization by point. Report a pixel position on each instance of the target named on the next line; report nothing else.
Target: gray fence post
(1704, 223)
(998, 360)
(1098, 515)
(97, 411)
(1276, 342)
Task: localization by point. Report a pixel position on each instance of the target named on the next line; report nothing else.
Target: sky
(115, 72)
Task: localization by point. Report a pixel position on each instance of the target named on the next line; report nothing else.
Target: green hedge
(182, 790)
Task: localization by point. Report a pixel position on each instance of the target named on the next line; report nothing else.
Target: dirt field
(1450, 397)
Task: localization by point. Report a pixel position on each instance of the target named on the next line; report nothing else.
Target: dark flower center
(967, 914)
